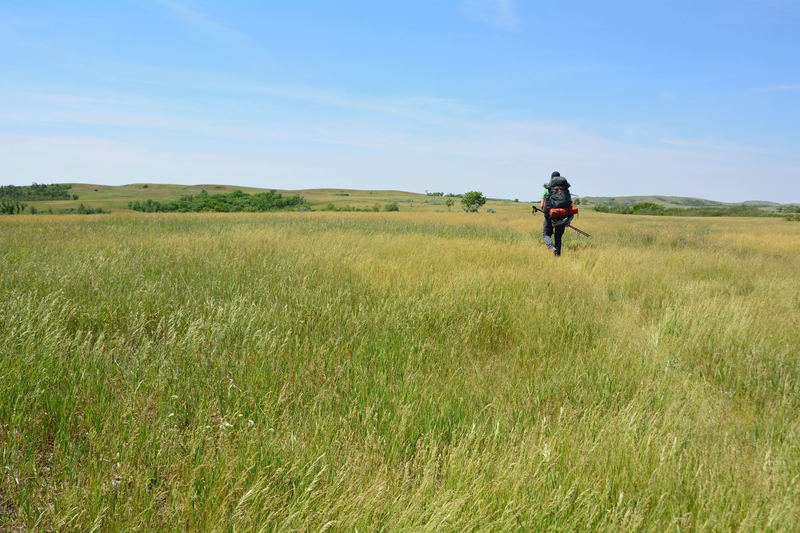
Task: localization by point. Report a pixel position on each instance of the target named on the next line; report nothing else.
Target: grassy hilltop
(116, 198)
(412, 371)
(670, 201)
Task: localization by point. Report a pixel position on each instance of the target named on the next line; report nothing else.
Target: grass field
(398, 371)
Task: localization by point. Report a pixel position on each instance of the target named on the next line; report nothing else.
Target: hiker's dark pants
(548, 230)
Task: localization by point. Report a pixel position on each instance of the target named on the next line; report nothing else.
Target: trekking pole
(578, 230)
(535, 209)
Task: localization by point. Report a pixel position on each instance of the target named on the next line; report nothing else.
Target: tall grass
(429, 372)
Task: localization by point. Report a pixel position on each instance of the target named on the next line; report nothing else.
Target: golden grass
(398, 371)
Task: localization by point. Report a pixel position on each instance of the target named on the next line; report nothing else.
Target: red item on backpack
(563, 212)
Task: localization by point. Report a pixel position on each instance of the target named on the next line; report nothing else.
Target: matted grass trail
(399, 372)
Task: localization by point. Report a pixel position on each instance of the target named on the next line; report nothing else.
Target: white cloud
(500, 14)
(716, 146)
(503, 160)
(193, 18)
(409, 108)
(445, 148)
(778, 88)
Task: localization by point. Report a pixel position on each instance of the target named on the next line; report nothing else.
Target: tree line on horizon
(236, 201)
(15, 207)
(37, 192)
(650, 208)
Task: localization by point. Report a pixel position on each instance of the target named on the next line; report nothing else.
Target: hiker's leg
(547, 232)
(559, 233)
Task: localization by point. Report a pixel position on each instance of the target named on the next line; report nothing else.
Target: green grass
(398, 371)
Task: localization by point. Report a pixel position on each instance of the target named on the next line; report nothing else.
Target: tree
(449, 203)
(472, 201)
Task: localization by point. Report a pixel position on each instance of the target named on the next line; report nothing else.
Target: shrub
(11, 207)
(36, 191)
(227, 203)
(472, 201)
(83, 210)
(649, 208)
(391, 207)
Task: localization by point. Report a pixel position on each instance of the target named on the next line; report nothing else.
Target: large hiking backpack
(559, 197)
(559, 200)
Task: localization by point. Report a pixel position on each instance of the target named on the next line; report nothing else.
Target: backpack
(559, 197)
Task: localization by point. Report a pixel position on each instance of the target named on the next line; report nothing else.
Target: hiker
(556, 199)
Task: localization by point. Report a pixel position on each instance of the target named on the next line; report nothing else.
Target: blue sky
(623, 97)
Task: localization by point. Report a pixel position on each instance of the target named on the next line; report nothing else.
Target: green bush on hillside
(83, 210)
(649, 208)
(36, 191)
(11, 207)
(352, 209)
(225, 203)
(473, 200)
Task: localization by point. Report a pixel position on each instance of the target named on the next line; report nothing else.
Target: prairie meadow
(398, 372)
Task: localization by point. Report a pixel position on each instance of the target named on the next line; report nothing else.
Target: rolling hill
(117, 197)
(671, 201)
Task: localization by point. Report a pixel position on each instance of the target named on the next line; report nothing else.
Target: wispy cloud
(101, 118)
(190, 16)
(422, 109)
(777, 88)
(425, 109)
(502, 159)
(68, 99)
(500, 14)
(706, 145)
(711, 146)
(193, 18)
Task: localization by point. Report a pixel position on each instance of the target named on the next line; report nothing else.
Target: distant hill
(671, 201)
(116, 198)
